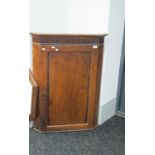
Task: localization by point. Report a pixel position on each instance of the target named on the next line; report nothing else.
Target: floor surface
(107, 139)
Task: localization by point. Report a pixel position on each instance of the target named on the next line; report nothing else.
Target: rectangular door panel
(68, 80)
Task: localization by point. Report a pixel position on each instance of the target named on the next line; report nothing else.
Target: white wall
(88, 16)
(49, 16)
(112, 55)
(69, 16)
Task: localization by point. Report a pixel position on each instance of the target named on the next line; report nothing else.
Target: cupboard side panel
(92, 88)
(99, 72)
(40, 74)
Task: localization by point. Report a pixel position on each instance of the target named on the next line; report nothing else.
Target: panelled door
(68, 87)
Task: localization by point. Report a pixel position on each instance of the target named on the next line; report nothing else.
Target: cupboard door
(68, 81)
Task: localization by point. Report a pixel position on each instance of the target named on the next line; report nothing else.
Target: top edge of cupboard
(68, 38)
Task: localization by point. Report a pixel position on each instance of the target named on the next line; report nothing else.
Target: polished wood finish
(68, 88)
(34, 96)
(66, 39)
(67, 69)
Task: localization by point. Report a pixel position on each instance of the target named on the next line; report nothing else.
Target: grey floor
(107, 139)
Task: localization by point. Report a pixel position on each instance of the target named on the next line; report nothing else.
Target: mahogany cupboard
(66, 72)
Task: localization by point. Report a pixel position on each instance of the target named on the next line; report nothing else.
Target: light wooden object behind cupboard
(67, 71)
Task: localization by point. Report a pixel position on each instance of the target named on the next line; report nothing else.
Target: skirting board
(106, 111)
(120, 114)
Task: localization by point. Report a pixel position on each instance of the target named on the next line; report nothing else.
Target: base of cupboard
(51, 130)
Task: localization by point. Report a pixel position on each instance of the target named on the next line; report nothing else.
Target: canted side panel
(68, 88)
(93, 88)
(40, 75)
(99, 72)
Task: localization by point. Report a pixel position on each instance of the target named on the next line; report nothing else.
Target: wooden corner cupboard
(66, 73)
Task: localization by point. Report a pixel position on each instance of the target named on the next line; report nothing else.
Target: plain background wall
(69, 16)
(113, 48)
(14, 81)
(111, 63)
(49, 16)
(88, 16)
